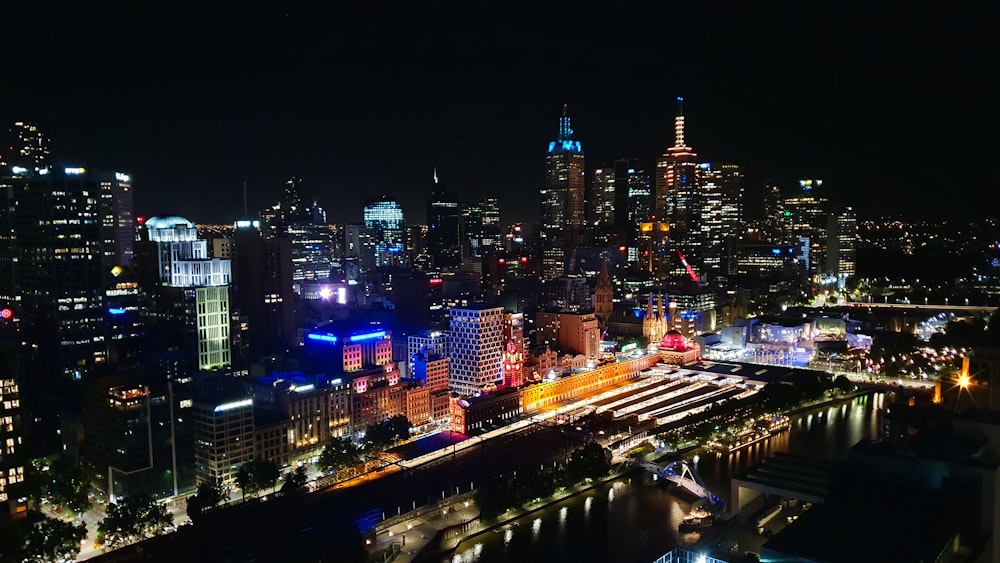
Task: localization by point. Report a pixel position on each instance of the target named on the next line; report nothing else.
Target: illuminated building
(338, 348)
(310, 253)
(721, 216)
(677, 196)
(224, 439)
(842, 233)
(675, 349)
(481, 227)
(514, 352)
(475, 346)
(428, 342)
(602, 212)
(429, 401)
(27, 147)
(774, 207)
(444, 242)
(655, 319)
(654, 246)
(691, 311)
(11, 430)
(804, 215)
(634, 195)
(384, 221)
(315, 409)
(563, 194)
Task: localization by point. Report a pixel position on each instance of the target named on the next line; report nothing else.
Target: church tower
(604, 295)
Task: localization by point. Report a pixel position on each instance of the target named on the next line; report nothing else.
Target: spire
(603, 279)
(649, 307)
(679, 124)
(565, 131)
(435, 175)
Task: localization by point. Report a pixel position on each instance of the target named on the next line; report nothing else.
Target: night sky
(896, 109)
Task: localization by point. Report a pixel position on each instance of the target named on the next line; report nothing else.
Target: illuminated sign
(6, 314)
(234, 405)
(74, 171)
(116, 311)
(369, 336)
(122, 177)
(304, 388)
(322, 337)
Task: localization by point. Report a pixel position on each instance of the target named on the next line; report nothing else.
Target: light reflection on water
(637, 522)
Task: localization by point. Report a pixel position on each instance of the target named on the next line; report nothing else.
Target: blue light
(116, 311)
(322, 337)
(552, 146)
(705, 165)
(369, 336)
(776, 251)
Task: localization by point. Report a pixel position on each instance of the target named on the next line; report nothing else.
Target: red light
(501, 261)
(140, 220)
(6, 314)
(621, 249)
(436, 281)
(524, 259)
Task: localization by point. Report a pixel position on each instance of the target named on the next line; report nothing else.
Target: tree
(209, 496)
(294, 480)
(338, 453)
(244, 478)
(387, 433)
(135, 518)
(265, 473)
(52, 540)
(60, 481)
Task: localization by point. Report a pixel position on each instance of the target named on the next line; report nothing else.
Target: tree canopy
(133, 518)
(387, 433)
(338, 453)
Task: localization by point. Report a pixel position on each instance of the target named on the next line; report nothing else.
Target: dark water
(634, 520)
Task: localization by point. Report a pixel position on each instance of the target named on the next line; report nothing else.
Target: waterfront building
(475, 345)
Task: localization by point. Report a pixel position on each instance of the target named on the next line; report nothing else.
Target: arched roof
(167, 222)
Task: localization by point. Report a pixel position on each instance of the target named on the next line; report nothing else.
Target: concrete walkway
(410, 536)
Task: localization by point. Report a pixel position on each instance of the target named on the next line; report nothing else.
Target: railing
(678, 555)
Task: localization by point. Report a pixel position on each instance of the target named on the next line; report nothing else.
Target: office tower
(443, 217)
(224, 438)
(117, 222)
(27, 147)
(677, 198)
(310, 252)
(604, 204)
(774, 207)
(634, 190)
(563, 195)
(842, 234)
(384, 221)
(481, 227)
(721, 215)
(475, 345)
(263, 281)
(805, 213)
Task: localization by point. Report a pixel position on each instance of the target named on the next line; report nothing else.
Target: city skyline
(366, 102)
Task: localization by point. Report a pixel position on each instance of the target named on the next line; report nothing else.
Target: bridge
(683, 475)
(932, 307)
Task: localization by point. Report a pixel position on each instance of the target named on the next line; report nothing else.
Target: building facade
(475, 346)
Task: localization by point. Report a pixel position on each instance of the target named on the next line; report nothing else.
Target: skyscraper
(602, 210)
(481, 227)
(384, 221)
(805, 221)
(563, 195)
(677, 197)
(634, 197)
(721, 215)
(443, 216)
(842, 234)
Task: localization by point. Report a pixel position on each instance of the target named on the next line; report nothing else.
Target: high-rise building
(721, 215)
(224, 438)
(634, 196)
(678, 199)
(310, 253)
(602, 210)
(774, 207)
(475, 345)
(384, 221)
(443, 217)
(481, 227)
(117, 221)
(563, 194)
(27, 147)
(842, 233)
(805, 219)
(11, 439)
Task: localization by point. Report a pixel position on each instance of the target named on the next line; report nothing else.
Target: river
(633, 520)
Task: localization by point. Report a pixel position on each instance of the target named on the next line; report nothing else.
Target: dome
(168, 222)
(674, 340)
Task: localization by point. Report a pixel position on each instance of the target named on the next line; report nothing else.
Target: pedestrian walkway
(408, 537)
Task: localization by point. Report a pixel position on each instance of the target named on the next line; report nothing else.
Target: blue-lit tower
(384, 222)
(563, 194)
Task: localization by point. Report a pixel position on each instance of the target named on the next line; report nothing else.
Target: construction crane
(688, 267)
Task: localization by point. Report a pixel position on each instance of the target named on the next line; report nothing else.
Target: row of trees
(341, 453)
(498, 494)
(134, 518)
